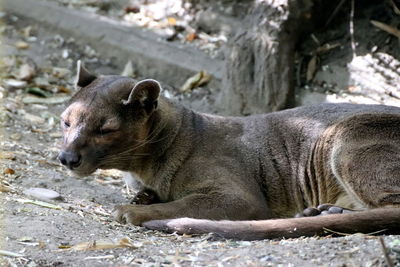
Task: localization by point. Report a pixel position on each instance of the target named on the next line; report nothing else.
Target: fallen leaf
(63, 89)
(33, 118)
(387, 28)
(326, 47)
(4, 188)
(25, 239)
(9, 171)
(197, 80)
(12, 83)
(16, 136)
(191, 36)
(26, 72)
(39, 203)
(49, 100)
(128, 70)
(311, 68)
(171, 21)
(38, 91)
(60, 72)
(132, 9)
(43, 194)
(395, 8)
(7, 155)
(26, 32)
(10, 253)
(21, 45)
(97, 245)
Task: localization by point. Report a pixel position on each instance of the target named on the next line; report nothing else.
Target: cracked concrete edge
(152, 57)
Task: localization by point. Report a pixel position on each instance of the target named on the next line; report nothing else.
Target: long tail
(386, 220)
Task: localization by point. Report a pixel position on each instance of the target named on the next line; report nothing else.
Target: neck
(164, 129)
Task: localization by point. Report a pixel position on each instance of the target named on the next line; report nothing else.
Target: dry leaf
(387, 28)
(132, 9)
(38, 91)
(395, 8)
(326, 47)
(63, 89)
(39, 203)
(97, 245)
(4, 188)
(40, 100)
(10, 253)
(128, 70)
(171, 21)
(7, 155)
(191, 36)
(21, 45)
(33, 118)
(9, 171)
(26, 72)
(15, 83)
(311, 68)
(197, 80)
(60, 73)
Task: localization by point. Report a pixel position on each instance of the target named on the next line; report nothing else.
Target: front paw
(132, 214)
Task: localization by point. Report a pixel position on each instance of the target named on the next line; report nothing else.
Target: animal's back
(284, 142)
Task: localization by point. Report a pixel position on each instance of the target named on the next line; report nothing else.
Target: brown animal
(238, 168)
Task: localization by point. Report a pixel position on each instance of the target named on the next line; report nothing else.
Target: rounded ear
(145, 93)
(83, 76)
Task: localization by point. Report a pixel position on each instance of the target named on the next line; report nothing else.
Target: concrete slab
(151, 56)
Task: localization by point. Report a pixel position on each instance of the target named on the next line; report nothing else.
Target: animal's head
(106, 122)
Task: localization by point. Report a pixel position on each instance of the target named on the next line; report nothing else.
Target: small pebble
(42, 194)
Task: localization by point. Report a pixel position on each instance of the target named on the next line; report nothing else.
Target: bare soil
(38, 235)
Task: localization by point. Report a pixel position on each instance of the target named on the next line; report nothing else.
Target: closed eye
(65, 124)
(103, 131)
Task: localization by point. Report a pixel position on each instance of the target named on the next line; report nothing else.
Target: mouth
(83, 170)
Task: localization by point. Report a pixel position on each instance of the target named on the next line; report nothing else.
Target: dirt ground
(69, 232)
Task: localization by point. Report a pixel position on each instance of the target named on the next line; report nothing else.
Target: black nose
(70, 159)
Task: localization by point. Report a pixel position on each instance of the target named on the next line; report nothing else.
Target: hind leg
(369, 171)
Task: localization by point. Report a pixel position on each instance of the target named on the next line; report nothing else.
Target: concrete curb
(169, 62)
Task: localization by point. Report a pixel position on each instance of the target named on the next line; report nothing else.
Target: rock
(42, 194)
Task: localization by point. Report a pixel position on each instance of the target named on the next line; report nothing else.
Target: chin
(83, 172)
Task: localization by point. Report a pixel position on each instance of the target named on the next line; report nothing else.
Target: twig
(345, 234)
(388, 260)
(386, 28)
(351, 24)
